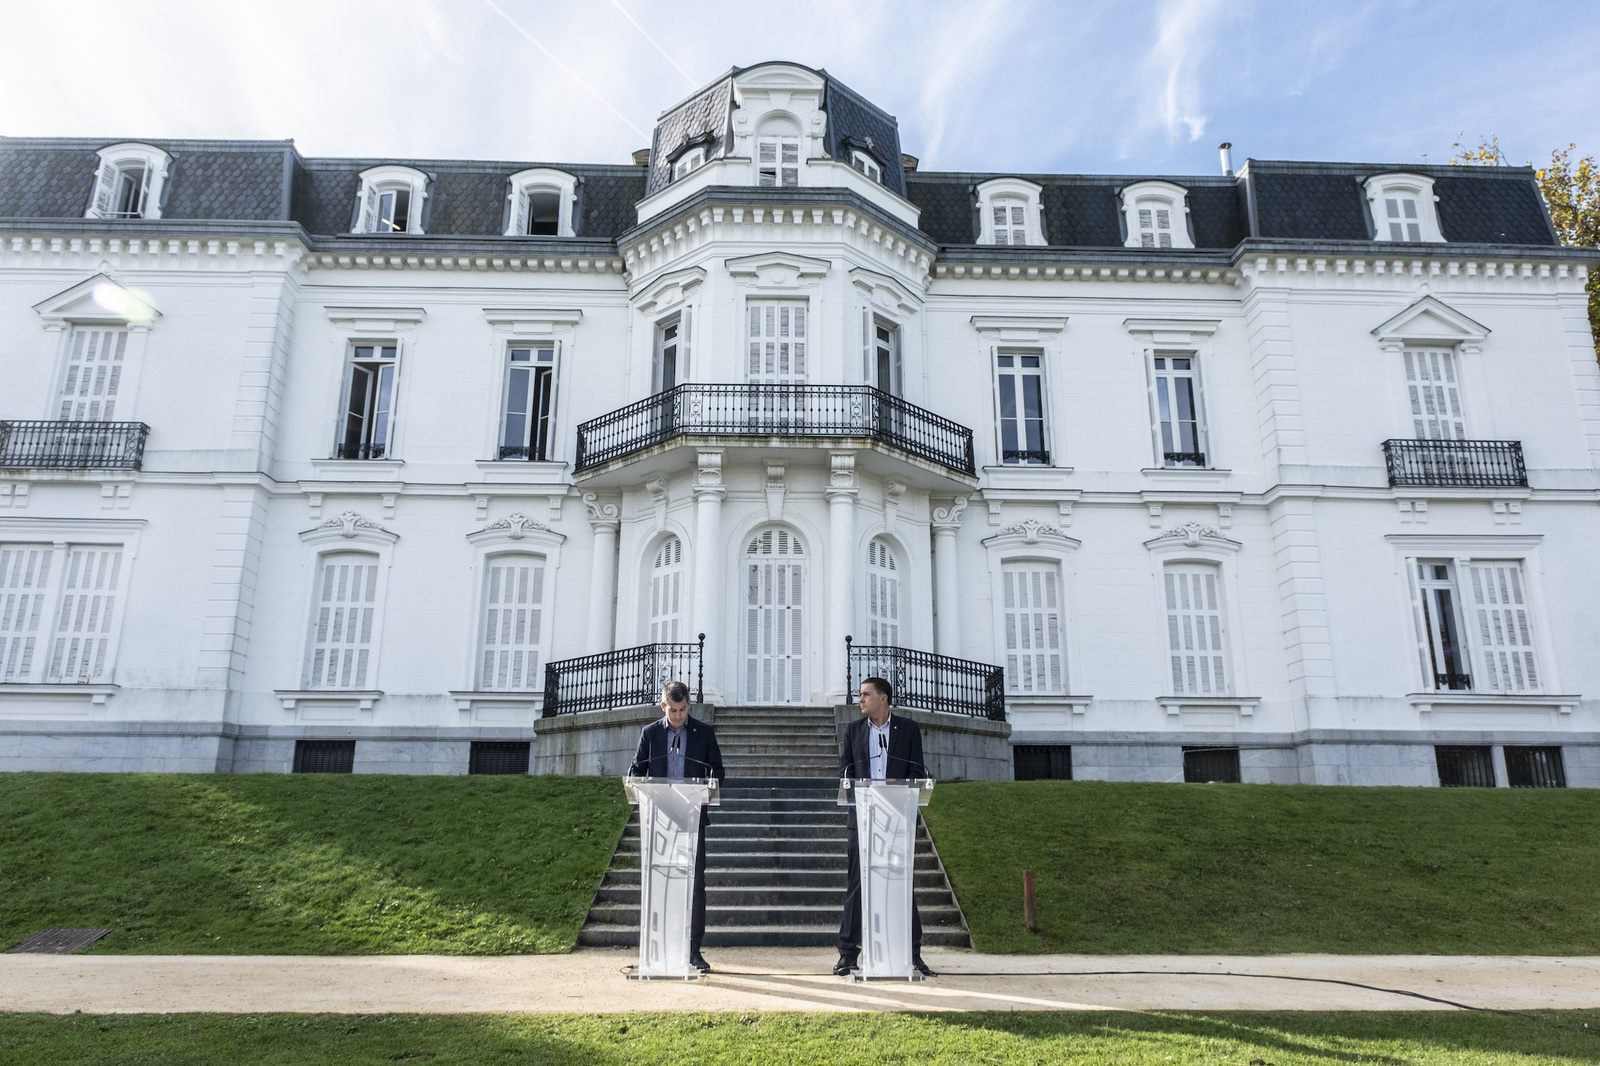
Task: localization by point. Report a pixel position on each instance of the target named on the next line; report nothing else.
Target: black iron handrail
(1452, 681)
(1026, 455)
(53, 445)
(1465, 463)
(776, 411)
(360, 451)
(623, 678)
(928, 682)
(1179, 458)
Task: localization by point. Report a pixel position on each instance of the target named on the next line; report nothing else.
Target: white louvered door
(666, 592)
(1032, 601)
(883, 595)
(24, 586)
(94, 374)
(513, 602)
(777, 343)
(83, 620)
(774, 619)
(341, 639)
(1502, 628)
(1434, 390)
(1194, 630)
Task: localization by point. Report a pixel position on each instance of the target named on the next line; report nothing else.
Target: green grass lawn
(1259, 869)
(1158, 1038)
(305, 864)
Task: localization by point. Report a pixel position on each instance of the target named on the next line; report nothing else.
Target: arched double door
(773, 635)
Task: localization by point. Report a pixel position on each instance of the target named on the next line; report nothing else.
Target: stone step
(774, 877)
(785, 897)
(766, 936)
(820, 914)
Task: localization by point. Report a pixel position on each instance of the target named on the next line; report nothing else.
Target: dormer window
(778, 161)
(1156, 215)
(1009, 212)
(1402, 208)
(688, 163)
(390, 200)
(128, 182)
(867, 165)
(539, 203)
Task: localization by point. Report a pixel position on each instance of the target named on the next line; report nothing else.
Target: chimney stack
(1225, 149)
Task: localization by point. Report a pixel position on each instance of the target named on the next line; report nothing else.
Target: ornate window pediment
(1194, 535)
(1431, 321)
(97, 299)
(1155, 214)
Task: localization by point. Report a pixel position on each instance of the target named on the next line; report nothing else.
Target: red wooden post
(1030, 910)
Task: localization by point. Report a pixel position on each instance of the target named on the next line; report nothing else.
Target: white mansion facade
(1298, 466)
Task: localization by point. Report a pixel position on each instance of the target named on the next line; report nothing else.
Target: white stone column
(709, 563)
(946, 583)
(604, 520)
(841, 495)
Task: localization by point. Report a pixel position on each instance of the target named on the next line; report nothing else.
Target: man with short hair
(676, 745)
(878, 746)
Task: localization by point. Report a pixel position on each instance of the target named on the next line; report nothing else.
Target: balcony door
(774, 622)
(883, 594)
(94, 373)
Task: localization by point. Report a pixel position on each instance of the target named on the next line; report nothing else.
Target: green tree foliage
(1571, 189)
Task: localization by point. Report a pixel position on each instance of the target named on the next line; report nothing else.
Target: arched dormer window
(778, 152)
(390, 200)
(129, 181)
(540, 203)
(1155, 214)
(1009, 212)
(1402, 207)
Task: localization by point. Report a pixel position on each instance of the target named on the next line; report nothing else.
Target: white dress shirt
(878, 749)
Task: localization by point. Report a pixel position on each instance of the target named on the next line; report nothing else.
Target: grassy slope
(1261, 868)
(312, 864)
(1427, 1039)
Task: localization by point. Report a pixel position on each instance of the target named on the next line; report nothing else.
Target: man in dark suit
(880, 746)
(676, 745)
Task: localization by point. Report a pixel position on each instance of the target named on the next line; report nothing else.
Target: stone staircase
(775, 851)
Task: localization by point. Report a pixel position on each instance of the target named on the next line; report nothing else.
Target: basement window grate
(1211, 765)
(1535, 768)
(58, 941)
(1465, 767)
(1042, 762)
(324, 756)
(499, 757)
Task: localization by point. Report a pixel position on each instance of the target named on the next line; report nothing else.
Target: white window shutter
(1503, 629)
(144, 207)
(1194, 630)
(104, 189)
(666, 593)
(83, 620)
(513, 604)
(1032, 628)
(368, 221)
(883, 595)
(94, 374)
(519, 213)
(1434, 390)
(685, 342)
(342, 629)
(24, 586)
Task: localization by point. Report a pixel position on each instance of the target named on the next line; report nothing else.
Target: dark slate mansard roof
(269, 182)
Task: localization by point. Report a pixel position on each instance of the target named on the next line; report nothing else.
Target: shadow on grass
(1382, 1039)
(275, 864)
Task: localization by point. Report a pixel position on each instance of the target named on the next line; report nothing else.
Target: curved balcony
(837, 412)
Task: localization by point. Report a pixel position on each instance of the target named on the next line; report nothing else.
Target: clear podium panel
(886, 832)
(669, 836)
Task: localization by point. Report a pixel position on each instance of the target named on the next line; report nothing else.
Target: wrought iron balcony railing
(73, 445)
(623, 678)
(360, 451)
(1184, 458)
(1458, 463)
(776, 411)
(928, 682)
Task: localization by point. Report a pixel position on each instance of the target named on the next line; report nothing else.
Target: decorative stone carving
(1031, 529)
(601, 513)
(1194, 535)
(893, 491)
(950, 517)
(348, 523)
(515, 525)
(708, 475)
(775, 490)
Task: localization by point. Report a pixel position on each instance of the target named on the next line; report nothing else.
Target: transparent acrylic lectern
(669, 834)
(886, 828)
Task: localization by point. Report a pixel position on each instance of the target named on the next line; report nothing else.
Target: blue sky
(993, 85)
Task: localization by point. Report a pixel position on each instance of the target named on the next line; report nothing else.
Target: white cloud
(1182, 44)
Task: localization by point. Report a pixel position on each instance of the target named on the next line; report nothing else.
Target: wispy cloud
(1183, 42)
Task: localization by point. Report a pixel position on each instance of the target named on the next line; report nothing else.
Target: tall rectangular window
(343, 621)
(83, 620)
(1179, 422)
(369, 409)
(886, 372)
(777, 342)
(1032, 599)
(666, 360)
(1434, 390)
(24, 589)
(1476, 638)
(57, 610)
(530, 384)
(1195, 629)
(94, 374)
(394, 210)
(513, 610)
(778, 161)
(1021, 387)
